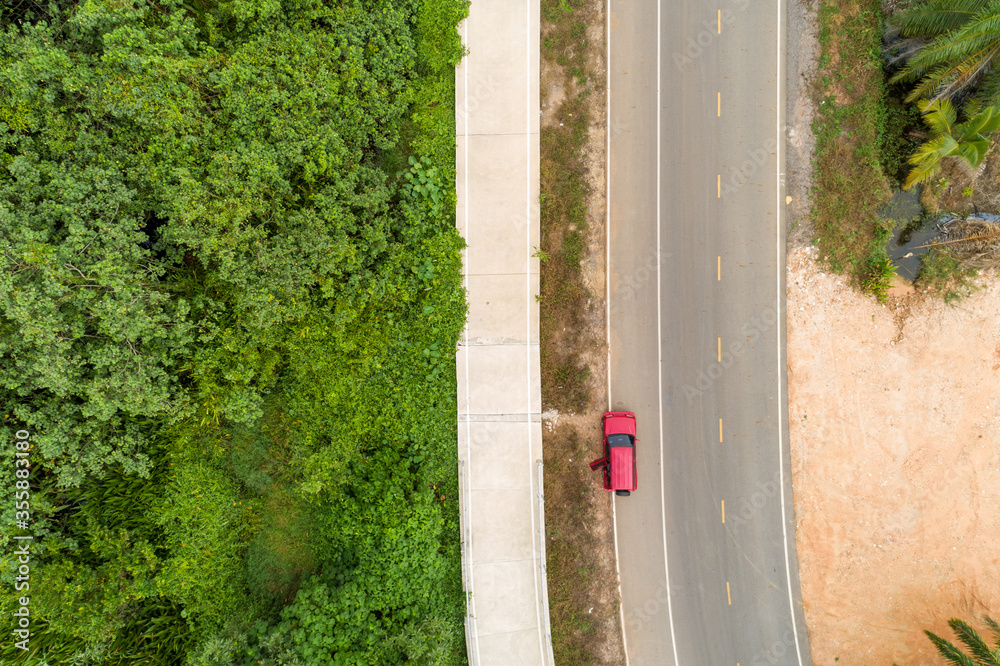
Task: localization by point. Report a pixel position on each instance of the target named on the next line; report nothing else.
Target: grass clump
(945, 276)
(967, 247)
(878, 271)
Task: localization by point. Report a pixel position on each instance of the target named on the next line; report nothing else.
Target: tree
(950, 48)
(251, 135)
(981, 653)
(965, 142)
(91, 340)
(211, 268)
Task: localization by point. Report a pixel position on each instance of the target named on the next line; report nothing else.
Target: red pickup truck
(618, 462)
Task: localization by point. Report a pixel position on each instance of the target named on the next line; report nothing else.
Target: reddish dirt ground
(895, 428)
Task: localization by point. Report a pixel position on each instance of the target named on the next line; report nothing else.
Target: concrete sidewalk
(499, 399)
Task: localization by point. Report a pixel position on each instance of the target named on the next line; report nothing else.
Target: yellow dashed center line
(718, 105)
(729, 597)
(720, 350)
(720, 430)
(723, 512)
(720, 21)
(718, 186)
(718, 268)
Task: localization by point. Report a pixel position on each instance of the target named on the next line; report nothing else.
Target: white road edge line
(659, 329)
(527, 341)
(778, 298)
(470, 596)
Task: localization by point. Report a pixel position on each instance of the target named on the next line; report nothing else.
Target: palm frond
(936, 17)
(899, 51)
(973, 152)
(992, 121)
(977, 126)
(988, 90)
(977, 647)
(933, 150)
(939, 82)
(949, 73)
(949, 651)
(957, 46)
(974, 238)
(990, 622)
(939, 116)
(939, 146)
(922, 172)
(953, 61)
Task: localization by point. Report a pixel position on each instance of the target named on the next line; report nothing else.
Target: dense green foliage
(229, 305)
(946, 52)
(948, 49)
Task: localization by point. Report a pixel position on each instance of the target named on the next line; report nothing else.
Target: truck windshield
(620, 440)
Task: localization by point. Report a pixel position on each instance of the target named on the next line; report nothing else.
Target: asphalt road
(706, 545)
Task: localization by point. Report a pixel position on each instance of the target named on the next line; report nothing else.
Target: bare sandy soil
(895, 428)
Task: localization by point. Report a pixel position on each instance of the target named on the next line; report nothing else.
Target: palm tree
(948, 138)
(949, 48)
(981, 653)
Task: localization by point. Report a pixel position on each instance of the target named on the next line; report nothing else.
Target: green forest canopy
(228, 313)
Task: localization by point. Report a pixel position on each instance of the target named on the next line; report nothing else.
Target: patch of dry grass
(582, 576)
(851, 125)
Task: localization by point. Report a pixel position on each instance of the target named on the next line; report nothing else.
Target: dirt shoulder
(895, 427)
(582, 570)
(800, 143)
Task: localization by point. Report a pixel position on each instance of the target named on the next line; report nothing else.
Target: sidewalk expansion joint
(520, 417)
